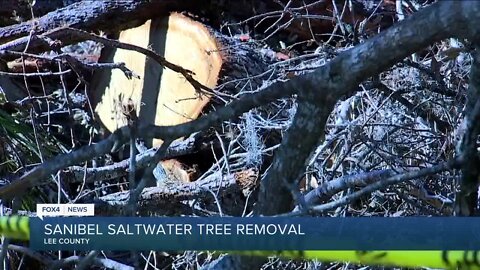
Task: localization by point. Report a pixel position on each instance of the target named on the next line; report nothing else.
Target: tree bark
(91, 15)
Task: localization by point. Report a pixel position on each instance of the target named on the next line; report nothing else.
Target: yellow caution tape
(410, 258)
(16, 227)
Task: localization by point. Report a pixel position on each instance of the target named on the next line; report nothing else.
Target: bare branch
(340, 77)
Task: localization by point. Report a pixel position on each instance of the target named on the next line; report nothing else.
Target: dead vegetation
(326, 108)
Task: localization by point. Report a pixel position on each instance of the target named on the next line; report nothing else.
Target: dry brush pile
(350, 108)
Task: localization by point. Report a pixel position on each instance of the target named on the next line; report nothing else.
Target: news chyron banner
(53, 230)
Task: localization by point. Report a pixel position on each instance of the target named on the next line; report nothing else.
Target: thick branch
(77, 174)
(395, 179)
(95, 15)
(328, 189)
(466, 199)
(176, 191)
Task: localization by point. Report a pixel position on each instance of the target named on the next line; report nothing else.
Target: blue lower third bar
(259, 233)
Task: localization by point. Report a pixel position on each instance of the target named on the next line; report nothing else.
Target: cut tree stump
(162, 96)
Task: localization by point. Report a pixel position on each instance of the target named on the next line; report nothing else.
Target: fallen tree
(317, 91)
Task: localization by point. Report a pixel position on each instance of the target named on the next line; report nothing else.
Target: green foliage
(21, 146)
